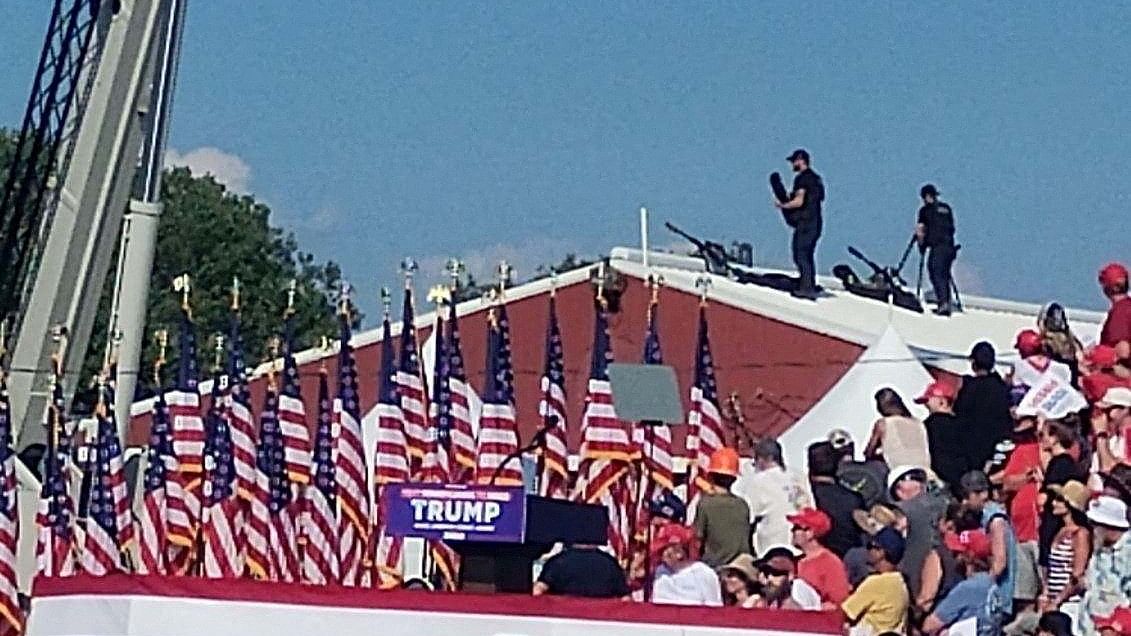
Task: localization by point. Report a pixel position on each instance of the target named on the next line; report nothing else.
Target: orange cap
(724, 462)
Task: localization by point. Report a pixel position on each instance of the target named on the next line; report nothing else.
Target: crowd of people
(1005, 511)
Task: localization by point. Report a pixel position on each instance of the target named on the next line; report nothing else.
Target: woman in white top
(897, 437)
(687, 582)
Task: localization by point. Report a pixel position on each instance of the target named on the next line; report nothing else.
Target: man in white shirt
(1035, 365)
(686, 581)
(773, 493)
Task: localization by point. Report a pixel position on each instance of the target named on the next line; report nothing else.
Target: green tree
(215, 235)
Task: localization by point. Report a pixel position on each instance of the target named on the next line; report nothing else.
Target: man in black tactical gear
(935, 232)
(803, 213)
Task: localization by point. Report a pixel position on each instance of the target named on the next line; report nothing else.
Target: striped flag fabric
(109, 525)
(187, 430)
(283, 506)
(555, 457)
(498, 431)
(437, 464)
(292, 412)
(241, 422)
(55, 516)
(463, 445)
(355, 508)
(11, 616)
(410, 386)
(222, 513)
(655, 444)
(260, 521)
(606, 450)
(390, 463)
(152, 518)
(705, 430)
(319, 536)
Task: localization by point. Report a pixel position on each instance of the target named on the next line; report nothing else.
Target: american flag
(459, 392)
(498, 431)
(391, 460)
(292, 412)
(258, 530)
(109, 526)
(410, 386)
(555, 458)
(606, 451)
(222, 515)
(283, 506)
(55, 545)
(655, 444)
(153, 517)
(438, 438)
(187, 425)
(320, 515)
(355, 518)
(241, 423)
(10, 613)
(705, 431)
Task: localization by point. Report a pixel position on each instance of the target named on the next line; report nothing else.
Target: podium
(488, 566)
(497, 531)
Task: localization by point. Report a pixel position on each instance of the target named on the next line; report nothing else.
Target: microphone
(538, 441)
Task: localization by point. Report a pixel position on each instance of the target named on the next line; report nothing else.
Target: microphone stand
(536, 442)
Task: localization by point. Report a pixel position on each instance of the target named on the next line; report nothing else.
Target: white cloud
(226, 168)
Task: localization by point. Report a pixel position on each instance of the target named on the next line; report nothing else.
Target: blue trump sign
(452, 512)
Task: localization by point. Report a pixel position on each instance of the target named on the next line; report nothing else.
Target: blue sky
(526, 130)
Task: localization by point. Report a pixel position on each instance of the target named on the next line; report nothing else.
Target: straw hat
(875, 519)
(1074, 493)
(742, 564)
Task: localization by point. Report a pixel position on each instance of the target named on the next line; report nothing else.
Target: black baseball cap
(800, 153)
(929, 189)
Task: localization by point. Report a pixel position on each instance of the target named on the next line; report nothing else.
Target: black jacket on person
(983, 406)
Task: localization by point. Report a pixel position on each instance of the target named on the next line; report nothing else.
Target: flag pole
(644, 236)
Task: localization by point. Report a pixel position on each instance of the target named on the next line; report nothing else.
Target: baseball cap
(891, 542)
(1108, 511)
(936, 389)
(672, 534)
(1120, 621)
(975, 543)
(899, 473)
(983, 355)
(1116, 396)
(778, 559)
(1028, 342)
(839, 438)
(800, 153)
(812, 519)
(928, 189)
(1102, 356)
(668, 506)
(1113, 274)
(974, 481)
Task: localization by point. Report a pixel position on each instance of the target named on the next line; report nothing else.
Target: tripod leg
(957, 298)
(919, 283)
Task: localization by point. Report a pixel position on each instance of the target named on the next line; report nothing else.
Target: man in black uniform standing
(935, 231)
(803, 213)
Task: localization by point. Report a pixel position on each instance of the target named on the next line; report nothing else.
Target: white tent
(850, 404)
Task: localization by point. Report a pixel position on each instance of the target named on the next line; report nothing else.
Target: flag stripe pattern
(555, 458)
(109, 526)
(187, 426)
(222, 515)
(438, 438)
(292, 413)
(606, 451)
(355, 514)
(10, 613)
(241, 423)
(462, 436)
(391, 461)
(55, 543)
(152, 516)
(705, 431)
(410, 387)
(261, 556)
(498, 431)
(320, 516)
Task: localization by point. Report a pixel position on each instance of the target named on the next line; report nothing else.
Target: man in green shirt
(722, 519)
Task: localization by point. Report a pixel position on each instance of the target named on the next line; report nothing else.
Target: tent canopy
(850, 404)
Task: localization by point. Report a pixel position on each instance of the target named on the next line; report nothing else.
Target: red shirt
(1023, 511)
(825, 572)
(1117, 327)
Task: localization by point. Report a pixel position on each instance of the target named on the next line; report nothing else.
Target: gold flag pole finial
(236, 287)
(601, 285)
(274, 344)
(162, 338)
(218, 352)
(408, 269)
(183, 285)
(292, 290)
(344, 299)
(326, 348)
(386, 301)
(505, 274)
(455, 268)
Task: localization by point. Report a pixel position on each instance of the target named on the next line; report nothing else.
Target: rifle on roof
(712, 253)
